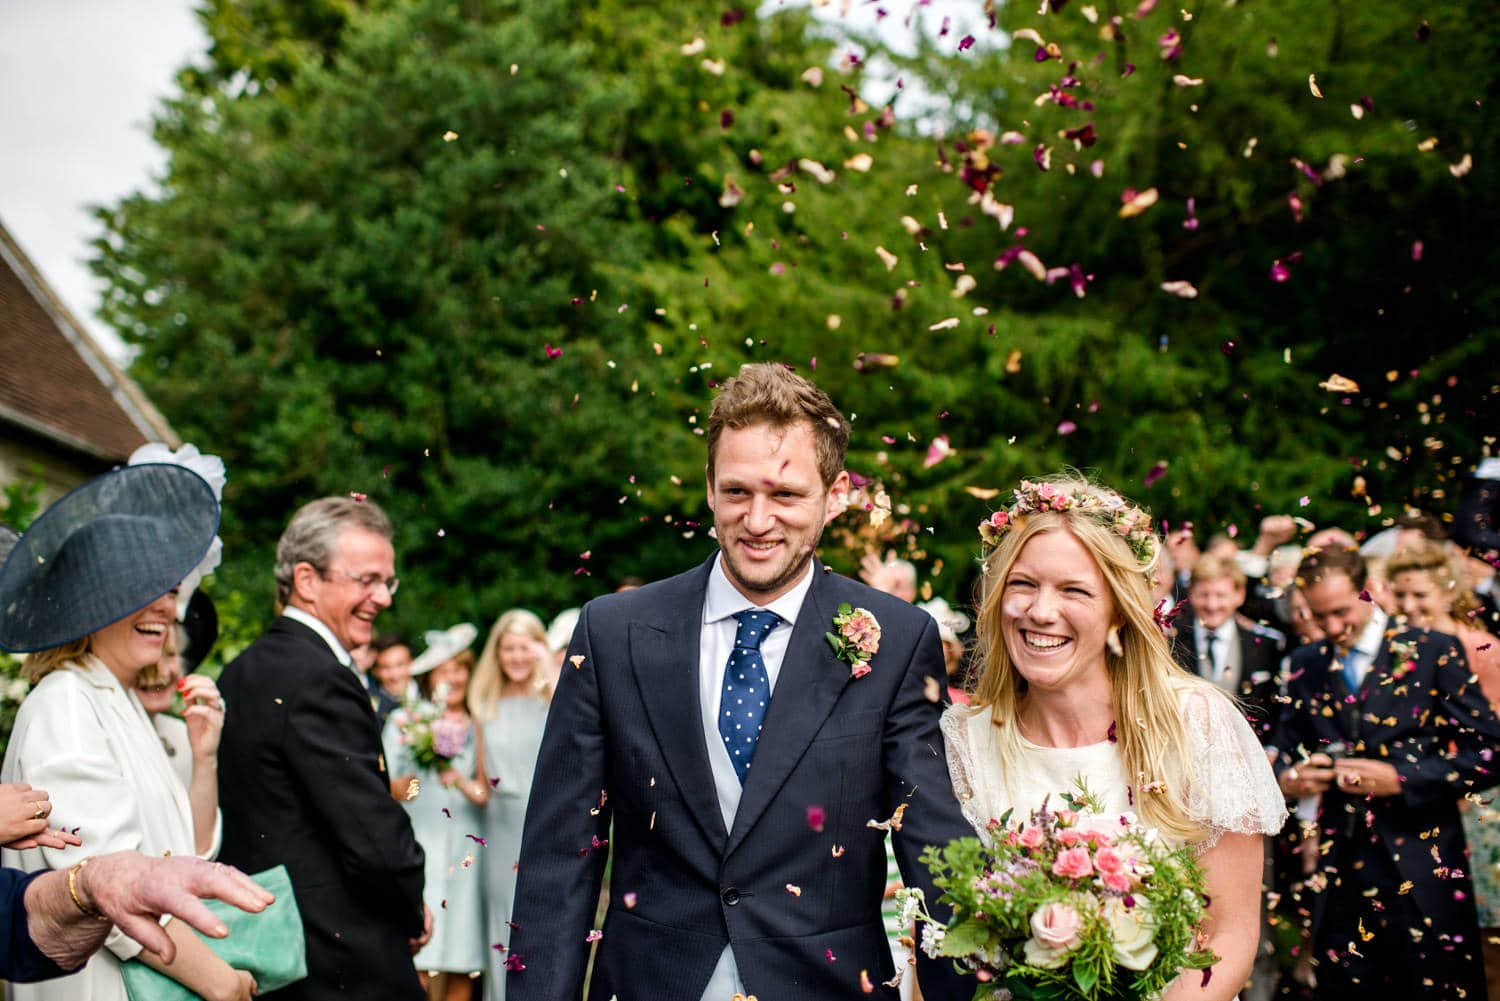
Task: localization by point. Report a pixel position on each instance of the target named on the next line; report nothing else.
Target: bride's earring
(1112, 640)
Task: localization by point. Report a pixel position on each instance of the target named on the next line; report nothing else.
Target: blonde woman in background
(508, 698)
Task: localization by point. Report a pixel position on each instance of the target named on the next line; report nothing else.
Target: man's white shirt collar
(316, 625)
(723, 599)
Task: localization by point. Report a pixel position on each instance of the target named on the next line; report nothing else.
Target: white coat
(86, 740)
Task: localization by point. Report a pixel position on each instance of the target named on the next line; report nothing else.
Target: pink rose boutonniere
(857, 638)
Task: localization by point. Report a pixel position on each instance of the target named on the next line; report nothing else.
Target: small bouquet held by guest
(432, 739)
(1072, 904)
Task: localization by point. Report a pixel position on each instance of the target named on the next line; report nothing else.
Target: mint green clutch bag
(269, 945)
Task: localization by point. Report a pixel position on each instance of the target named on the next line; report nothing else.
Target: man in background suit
(745, 858)
(1215, 642)
(301, 777)
(1389, 730)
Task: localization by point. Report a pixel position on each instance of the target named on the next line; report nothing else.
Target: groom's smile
(770, 506)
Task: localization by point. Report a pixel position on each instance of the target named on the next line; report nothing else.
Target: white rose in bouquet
(1133, 931)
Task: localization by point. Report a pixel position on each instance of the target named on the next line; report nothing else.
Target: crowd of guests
(392, 778)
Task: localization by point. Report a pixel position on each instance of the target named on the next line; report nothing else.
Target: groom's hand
(417, 943)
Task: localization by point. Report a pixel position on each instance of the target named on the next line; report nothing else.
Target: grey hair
(310, 535)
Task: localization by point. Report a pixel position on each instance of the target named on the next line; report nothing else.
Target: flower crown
(1100, 503)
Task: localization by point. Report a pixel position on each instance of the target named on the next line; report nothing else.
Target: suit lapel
(807, 687)
(664, 654)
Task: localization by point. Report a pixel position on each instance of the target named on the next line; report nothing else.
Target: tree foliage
(382, 222)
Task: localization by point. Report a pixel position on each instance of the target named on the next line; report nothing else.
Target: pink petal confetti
(1066, 427)
(1181, 289)
(937, 451)
(1042, 154)
(965, 43)
(1155, 473)
(1279, 271)
(794, 889)
(593, 936)
(1303, 501)
(1416, 250)
(553, 352)
(477, 839)
(358, 498)
(629, 900)
(830, 955)
(815, 817)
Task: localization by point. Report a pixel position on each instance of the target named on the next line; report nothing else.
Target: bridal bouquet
(1072, 904)
(433, 740)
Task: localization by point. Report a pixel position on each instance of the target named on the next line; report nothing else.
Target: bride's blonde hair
(1146, 684)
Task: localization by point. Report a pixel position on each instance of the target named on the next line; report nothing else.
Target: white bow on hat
(443, 645)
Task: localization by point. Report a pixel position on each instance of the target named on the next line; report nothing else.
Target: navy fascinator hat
(102, 552)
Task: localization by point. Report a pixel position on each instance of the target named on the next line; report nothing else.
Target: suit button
(730, 896)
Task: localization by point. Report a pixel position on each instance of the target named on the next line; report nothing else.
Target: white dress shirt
(1367, 645)
(317, 625)
(1224, 666)
(721, 601)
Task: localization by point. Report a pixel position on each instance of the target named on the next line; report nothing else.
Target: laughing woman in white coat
(90, 592)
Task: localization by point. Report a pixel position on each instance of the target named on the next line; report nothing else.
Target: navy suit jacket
(1420, 709)
(624, 745)
(302, 782)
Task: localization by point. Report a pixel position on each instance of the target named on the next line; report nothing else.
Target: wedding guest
(1429, 595)
(439, 775)
(191, 740)
(390, 679)
(1214, 642)
(1079, 683)
(90, 592)
(509, 697)
(300, 765)
(896, 577)
(1388, 730)
(1476, 527)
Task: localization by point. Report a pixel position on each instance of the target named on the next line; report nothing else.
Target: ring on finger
(1291, 773)
(41, 810)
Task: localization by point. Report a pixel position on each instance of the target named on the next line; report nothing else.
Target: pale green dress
(442, 820)
(511, 742)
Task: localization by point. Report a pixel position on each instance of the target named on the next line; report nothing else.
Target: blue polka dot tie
(747, 688)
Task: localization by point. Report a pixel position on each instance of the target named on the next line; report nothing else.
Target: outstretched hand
(134, 891)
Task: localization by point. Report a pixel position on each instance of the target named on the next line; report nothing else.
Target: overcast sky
(79, 80)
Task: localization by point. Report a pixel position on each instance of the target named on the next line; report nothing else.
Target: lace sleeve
(1232, 789)
(961, 766)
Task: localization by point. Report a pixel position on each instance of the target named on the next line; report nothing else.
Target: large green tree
(381, 222)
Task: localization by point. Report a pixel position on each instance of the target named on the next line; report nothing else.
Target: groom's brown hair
(773, 394)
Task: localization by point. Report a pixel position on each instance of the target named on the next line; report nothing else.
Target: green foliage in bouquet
(1073, 904)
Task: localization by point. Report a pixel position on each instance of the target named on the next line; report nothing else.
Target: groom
(738, 759)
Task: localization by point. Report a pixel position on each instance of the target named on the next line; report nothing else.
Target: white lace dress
(1232, 789)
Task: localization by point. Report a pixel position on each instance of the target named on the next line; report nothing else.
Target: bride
(1078, 681)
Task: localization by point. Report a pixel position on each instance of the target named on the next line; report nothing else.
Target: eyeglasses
(369, 581)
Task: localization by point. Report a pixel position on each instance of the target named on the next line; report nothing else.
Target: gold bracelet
(87, 911)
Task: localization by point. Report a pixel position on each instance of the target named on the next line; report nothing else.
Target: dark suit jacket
(625, 743)
(1261, 651)
(1420, 709)
(302, 783)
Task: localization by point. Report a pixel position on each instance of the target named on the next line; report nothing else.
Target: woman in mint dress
(509, 698)
(447, 815)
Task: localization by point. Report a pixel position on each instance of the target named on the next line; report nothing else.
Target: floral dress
(447, 825)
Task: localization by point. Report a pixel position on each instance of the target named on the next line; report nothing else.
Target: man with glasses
(301, 777)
